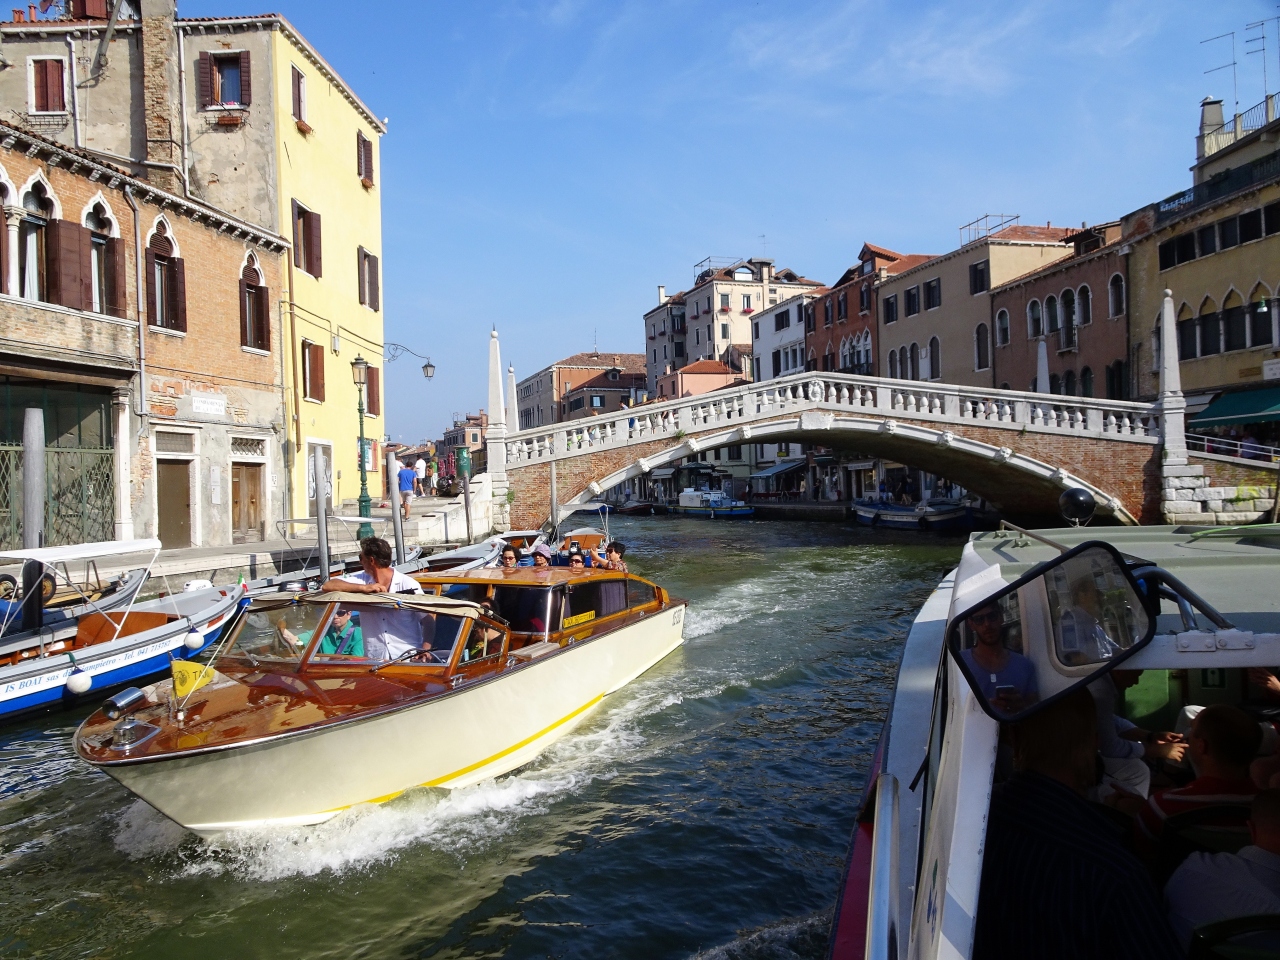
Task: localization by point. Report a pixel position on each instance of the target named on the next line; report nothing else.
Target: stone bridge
(1015, 449)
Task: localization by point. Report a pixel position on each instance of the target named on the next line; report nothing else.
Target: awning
(1247, 406)
(662, 473)
(778, 468)
(81, 551)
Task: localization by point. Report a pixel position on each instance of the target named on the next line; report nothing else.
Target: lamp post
(360, 373)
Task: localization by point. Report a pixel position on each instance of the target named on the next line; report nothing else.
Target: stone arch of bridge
(1012, 480)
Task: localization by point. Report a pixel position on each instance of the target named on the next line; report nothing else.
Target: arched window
(1068, 318)
(1051, 314)
(33, 243)
(1259, 311)
(166, 282)
(904, 368)
(1069, 383)
(1084, 299)
(981, 348)
(1035, 325)
(1086, 382)
(935, 359)
(255, 319)
(1055, 384)
(106, 264)
(1116, 290)
(915, 362)
(893, 364)
(1002, 328)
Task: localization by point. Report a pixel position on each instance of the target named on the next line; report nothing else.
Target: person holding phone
(1007, 679)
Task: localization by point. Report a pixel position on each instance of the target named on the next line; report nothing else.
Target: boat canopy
(412, 601)
(81, 551)
(785, 466)
(1247, 406)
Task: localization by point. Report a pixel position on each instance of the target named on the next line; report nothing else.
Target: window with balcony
(932, 294)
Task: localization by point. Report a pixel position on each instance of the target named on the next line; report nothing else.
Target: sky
(548, 164)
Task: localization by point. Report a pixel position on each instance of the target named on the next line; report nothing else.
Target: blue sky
(548, 164)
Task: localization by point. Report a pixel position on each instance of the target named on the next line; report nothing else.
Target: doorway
(246, 503)
(173, 502)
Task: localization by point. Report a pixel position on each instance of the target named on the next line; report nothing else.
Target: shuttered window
(312, 371)
(306, 239)
(69, 265)
(47, 86)
(166, 285)
(364, 159)
(367, 276)
(255, 310)
(373, 393)
(224, 80)
(299, 95)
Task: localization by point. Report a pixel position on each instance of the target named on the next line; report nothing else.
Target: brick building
(540, 398)
(175, 432)
(1077, 308)
(606, 392)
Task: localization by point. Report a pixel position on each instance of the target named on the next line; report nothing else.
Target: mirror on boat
(1060, 626)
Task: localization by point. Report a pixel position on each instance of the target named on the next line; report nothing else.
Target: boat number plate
(677, 616)
(580, 618)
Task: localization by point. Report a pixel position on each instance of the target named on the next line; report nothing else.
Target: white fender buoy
(79, 682)
(194, 640)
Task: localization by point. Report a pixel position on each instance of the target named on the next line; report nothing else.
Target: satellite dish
(1077, 505)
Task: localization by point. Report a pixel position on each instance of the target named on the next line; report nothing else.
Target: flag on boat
(189, 677)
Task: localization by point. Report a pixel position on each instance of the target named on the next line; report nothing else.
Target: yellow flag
(189, 677)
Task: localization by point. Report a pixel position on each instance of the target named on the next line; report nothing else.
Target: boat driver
(1007, 679)
(388, 632)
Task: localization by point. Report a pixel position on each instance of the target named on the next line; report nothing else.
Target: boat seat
(1217, 828)
(1240, 938)
(95, 628)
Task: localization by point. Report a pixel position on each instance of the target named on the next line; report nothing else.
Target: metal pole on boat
(322, 510)
(555, 506)
(33, 478)
(397, 522)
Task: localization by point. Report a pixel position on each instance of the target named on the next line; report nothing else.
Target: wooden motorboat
(478, 683)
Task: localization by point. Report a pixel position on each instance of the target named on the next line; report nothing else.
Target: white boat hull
(476, 732)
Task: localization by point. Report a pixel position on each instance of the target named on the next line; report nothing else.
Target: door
(173, 502)
(246, 499)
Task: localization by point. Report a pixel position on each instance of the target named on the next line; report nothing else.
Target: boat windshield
(279, 633)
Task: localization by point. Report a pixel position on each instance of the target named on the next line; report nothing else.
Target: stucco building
(606, 392)
(665, 330)
(540, 398)
(241, 113)
(935, 317)
(146, 326)
(699, 377)
(1077, 307)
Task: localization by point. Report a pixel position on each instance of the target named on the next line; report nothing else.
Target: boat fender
(194, 640)
(131, 698)
(79, 682)
(191, 586)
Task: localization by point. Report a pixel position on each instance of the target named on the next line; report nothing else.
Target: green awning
(1247, 406)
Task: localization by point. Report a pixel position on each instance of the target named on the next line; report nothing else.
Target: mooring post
(34, 480)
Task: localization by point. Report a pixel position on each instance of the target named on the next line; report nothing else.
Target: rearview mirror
(1059, 627)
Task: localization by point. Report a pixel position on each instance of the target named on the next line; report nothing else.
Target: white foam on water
(803, 939)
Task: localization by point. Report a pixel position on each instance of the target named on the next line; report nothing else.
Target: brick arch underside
(1024, 483)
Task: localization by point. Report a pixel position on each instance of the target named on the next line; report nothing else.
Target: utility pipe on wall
(142, 323)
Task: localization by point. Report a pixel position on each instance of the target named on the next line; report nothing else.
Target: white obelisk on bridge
(496, 439)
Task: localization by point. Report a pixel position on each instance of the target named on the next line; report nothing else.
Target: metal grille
(79, 500)
(248, 447)
(167, 442)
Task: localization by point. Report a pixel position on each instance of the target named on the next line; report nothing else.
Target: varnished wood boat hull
(476, 732)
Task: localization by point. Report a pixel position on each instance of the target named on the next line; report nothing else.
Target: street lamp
(360, 374)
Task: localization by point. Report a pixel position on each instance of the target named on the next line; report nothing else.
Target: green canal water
(703, 810)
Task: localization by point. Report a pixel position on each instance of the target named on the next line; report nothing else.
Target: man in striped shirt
(1221, 744)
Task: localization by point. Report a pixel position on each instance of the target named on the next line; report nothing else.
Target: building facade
(540, 398)
(240, 113)
(665, 329)
(606, 392)
(147, 327)
(697, 378)
(935, 317)
(1078, 308)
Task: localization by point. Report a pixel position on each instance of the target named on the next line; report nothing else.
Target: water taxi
(1192, 608)
(298, 716)
(711, 503)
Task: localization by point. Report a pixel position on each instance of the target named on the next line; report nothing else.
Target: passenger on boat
(1007, 678)
(611, 559)
(342, 637)
(542, 556)
(510, 558)
(1057, 881)
(1222, 742)
(1082, 637)
(387, 632)
(1124, 745)
(577, 559)
(1209, 887)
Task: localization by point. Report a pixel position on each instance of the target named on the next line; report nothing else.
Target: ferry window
(483, 642)
(588, 601)
(524, 608)
(638, 592)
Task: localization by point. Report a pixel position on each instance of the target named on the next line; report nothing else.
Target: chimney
(1210, 115)
(662, 293)
(160, 102)
(31, 12)
(19, 16)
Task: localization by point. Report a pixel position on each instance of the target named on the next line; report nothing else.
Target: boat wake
(804, 939)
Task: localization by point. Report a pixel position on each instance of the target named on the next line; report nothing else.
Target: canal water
(704, 810)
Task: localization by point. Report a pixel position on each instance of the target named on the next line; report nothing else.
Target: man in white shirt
(1209, 887)
(388, 632)
(420, 473)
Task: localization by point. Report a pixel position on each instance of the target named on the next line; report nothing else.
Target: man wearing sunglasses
(1007, 679)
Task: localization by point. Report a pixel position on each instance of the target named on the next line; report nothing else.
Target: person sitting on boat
(611, 559)
(341, 638)
(510, 558)
(1082, 636)
(542, 556)
(388, 633)
(1057, 882)
(577, 559)
(1007, 678)
(1124, 745)
(1208, 887)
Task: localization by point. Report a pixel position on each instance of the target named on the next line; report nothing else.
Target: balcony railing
(1223, 185)
(1241, 125)
(1250, 450)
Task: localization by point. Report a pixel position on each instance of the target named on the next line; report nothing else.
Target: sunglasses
(508, 558)
(576, 562)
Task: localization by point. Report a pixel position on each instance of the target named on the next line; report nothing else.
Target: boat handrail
(882, 897)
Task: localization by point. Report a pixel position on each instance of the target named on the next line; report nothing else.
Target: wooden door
(246, 500)
(173, 502)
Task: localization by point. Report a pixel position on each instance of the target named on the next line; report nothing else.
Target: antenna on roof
(764, 247)
(595, 342)
(1235, 92)
(1261, 27)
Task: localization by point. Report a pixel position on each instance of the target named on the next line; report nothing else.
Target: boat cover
(413, 601)
(81, 551)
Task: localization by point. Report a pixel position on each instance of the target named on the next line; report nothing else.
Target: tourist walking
(420, 476)
(406, 476)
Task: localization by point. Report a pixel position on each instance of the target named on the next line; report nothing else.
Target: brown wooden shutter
(94, 9)
(359, 154)
(312, 225)
(368, 160)
(178, 293)
(63, 264)
(316, 369)
(297, 94)
(152, 318)
(297, 240)
(360, 284)
(117, 291)
(53, 262)
(204, 80)
(375, 292)
(263, 316)
(39, 86)
(246, 86)
(246, 334)
(373, 391)
(86, 269)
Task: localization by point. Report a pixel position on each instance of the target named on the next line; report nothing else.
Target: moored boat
(284, 733)
(711, 503)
